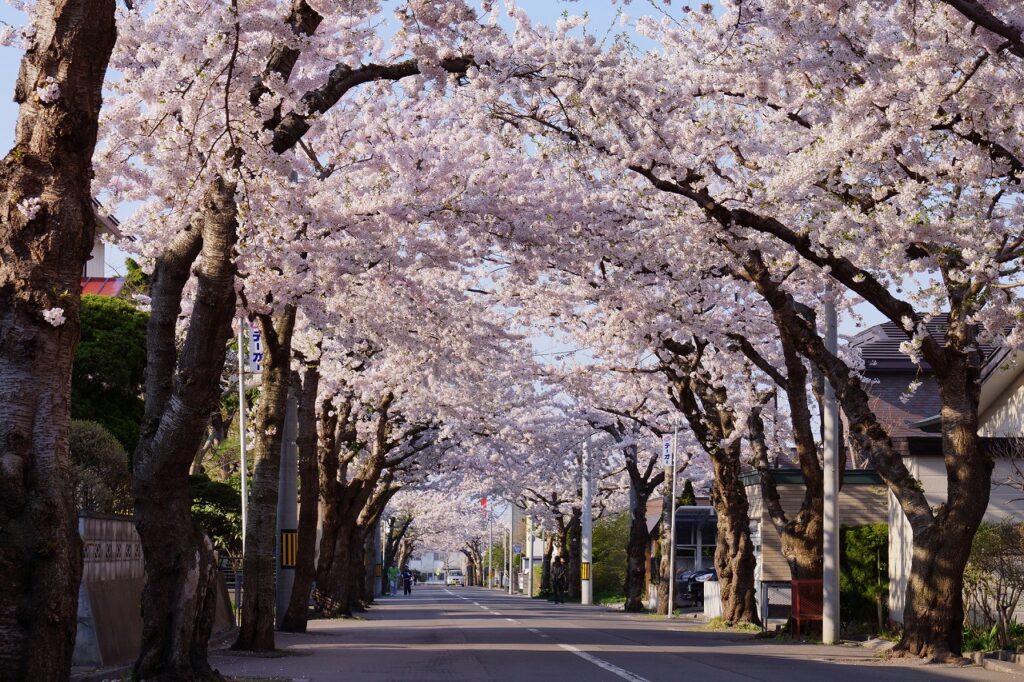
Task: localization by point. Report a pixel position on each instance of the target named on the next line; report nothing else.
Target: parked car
(455, 577)
(690, 586)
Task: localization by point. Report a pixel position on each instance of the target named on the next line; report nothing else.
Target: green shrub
(864, 573)
(217, 507)
(110, 367)
(99, 469)
(611, 534)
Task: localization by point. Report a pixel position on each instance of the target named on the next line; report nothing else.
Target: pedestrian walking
(558, 580)
(407, 578)
(393, 579)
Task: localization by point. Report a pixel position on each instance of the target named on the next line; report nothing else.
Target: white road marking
(510, 620)
(605, 665)
(534, 630)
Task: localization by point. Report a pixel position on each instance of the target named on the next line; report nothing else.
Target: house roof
(879, 346)
(102, 286)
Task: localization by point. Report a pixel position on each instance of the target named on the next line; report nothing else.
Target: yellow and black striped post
(585, 570)
(289, 548)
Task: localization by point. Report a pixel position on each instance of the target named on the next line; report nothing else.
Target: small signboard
(255, 350)
(289, 548)
(666, 449)
(517, 549)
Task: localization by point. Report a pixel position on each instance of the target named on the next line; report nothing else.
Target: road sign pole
(830, 425)
(490, 550)
(242, 426)
(587, 527)
(672, 530)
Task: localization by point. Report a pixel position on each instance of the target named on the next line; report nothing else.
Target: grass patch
(719, 624)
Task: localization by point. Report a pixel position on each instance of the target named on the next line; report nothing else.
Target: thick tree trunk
(47, 226)
(574, 559)
(934, 610)
(256, 632)
(545, 565)
(734, 553)
(182, 389)
(309, 490)
(665, 542)
(636, 554)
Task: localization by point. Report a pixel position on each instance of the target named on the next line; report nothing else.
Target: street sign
(517, 549)
(666, 449)
(255, 350)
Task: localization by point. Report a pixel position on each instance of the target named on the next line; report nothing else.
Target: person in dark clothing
(558, 580)
(407, 580)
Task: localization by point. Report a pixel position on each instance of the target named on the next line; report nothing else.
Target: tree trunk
(934, 611)
(47, 226)
(665, 569)
(256, 632)
(636, 553)
(545, 565)
(309, 489)
(734, 553)
(574, 539)
(182, 389)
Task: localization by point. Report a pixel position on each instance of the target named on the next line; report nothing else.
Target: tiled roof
(102, 286)
(879, 346)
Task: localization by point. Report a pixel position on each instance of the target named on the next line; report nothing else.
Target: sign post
(670, 445)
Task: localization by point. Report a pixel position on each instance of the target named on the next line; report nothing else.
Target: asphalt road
(456, 634)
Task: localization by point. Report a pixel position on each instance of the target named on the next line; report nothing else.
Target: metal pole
(529, 555)
(242, 426)
(672, 531)
(490, 550)
(511, 545)
(287, 509)
(587, 527)
(830, 424)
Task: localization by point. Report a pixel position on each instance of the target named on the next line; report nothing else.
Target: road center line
(605, 665)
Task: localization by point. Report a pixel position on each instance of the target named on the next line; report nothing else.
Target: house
(915, 428)
(862, 500)
(94, 274)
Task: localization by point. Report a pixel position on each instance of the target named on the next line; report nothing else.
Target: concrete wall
(110, 595)
(1005, 504)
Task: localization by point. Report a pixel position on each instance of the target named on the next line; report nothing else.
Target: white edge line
(605, 665)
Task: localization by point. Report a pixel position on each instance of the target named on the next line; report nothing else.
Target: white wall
(1005, 503)
(96, 265)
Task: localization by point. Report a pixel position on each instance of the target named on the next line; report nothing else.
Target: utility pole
(830, 425)
(672, 529)
(511, 545)
(287, 508)
(242, 326)
(587, 527)
(529, 556)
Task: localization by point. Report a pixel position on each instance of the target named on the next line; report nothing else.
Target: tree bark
(182, 389)
(41, 261)
(734, 551)
(666, 540)
(545, 565)
(708, 411)
(256, 632)
(296, 616)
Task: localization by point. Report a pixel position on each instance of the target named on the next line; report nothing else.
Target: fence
(776, 602)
